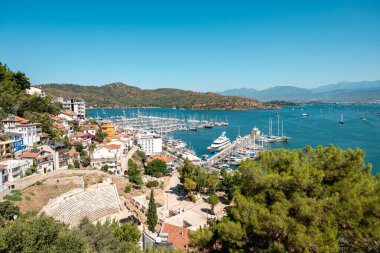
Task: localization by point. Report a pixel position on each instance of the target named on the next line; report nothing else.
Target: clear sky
(192, 44)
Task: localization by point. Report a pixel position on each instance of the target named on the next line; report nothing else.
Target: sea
(320, 128)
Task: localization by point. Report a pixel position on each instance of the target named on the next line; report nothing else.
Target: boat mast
(278, 125)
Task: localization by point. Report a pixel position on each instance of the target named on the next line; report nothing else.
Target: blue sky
(190, 44)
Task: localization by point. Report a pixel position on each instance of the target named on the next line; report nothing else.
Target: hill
(366, 91)
(119, 95)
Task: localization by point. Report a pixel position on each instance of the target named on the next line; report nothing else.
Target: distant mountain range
(365, 91)
(120, 95)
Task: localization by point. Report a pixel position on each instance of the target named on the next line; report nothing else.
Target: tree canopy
(156, 168)
(311, 200)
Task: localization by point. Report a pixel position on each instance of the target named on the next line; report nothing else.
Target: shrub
(38, 182)
(77, 164)
(152, 184)
(128, 188)
(193, 198)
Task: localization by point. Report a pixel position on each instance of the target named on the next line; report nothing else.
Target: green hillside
(122, 95)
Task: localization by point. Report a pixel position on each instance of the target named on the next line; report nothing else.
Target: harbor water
(361, 126)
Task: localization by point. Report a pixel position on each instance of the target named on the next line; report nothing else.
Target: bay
(320, 128)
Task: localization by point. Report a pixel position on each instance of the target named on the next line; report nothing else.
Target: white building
(30, 131)
(11, 170)
(76, 105)
(104, 156)
(151, 143)
(36, 91)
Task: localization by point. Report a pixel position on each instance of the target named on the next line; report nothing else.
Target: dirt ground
(35, 197)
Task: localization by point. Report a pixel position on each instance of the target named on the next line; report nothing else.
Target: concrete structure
(151, 143)
(29, 131)
(41, 159)
(94, 203)
(104, 156)
(6, 149)
(108, 128)
(76, 105)
(60, 154)
(68, 115)
(36, 91)
(11, 171)
(90, 129)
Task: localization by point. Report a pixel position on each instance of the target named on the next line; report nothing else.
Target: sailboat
(270, 137)
(341, 122)
(282, 138)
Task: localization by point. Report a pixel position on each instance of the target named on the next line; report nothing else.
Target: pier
(239, 143)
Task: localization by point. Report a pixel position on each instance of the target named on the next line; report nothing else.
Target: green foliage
(156, 168)
(213, 181)
(100, 237)
(128, 188)
(121, 95)
(85, 161)
(39, 234)
(76, 164)
(8, 210)
(213, 200)
(152, 217)
(134, 173)
(14, 100)
(100, 136)
(152, 184)
(79, 148)
(194, 174)
(311, 200)
(70, 166)
(142, 155)
(15, 195)
(128, 232)
(104, 168)
(39, 182)
(201, 238)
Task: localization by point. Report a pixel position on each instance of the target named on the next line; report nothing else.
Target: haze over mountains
(365, 91)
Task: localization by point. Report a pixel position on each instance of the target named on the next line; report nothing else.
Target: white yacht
(220, 143)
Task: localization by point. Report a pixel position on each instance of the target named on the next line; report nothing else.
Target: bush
(76, 164)
(152, 184)
(156, 168)
(70, 166)
(193, 198)
(104, 168)
(38, 182)
(128, 188)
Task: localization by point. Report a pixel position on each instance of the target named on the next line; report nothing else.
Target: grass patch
(31, 193)
(27, 198)
(15, 195)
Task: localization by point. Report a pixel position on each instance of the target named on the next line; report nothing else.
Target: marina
(317, 129)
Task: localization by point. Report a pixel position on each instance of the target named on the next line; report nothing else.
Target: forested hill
(122, 95)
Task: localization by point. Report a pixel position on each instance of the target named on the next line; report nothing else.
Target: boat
(209, 125)
(220, 143)
(282, 138)
(362, 118)
(304, 114)
(341, 122)
(193, 129)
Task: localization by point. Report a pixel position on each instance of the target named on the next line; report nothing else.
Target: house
(11, 171)
(73, 156)
(16, 126)
(108, 128)
(90, 129)
(41, 159)
(177, 237)
(75, 105)
(68, 115)
(36, 91)
(166, 159)
(11, 145)
(151, 143)
(104, 156)
(60, 154)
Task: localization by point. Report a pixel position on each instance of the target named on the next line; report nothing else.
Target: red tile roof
(73, 153)
(113, 146)
(30, 155)
(177, 236)
(2, 166)
(166, 159)
(69, 113)
(16, 119)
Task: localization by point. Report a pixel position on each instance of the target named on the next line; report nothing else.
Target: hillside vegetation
(121, 95)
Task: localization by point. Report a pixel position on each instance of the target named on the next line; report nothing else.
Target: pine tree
(152, 213)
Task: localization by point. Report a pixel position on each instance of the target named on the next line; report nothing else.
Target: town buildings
(108, 128)
(76, 105)
(15, 126)
(150, 143)
(11, 170)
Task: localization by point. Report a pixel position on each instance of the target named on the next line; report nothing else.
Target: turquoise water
(317, 129)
